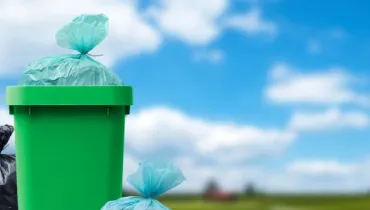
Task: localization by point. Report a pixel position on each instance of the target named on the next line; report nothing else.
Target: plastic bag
(8, 181)
(82, 34)
(151, 180)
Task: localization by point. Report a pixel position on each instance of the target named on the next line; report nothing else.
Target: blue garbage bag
(83, 34)
(151, 180)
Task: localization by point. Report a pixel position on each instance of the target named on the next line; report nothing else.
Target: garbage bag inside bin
(151, 180)
(83, 34)
(8, 182)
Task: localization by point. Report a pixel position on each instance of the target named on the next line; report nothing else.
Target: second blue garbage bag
(151, 180)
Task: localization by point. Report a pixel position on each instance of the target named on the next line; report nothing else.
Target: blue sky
(233, 88)
(284, 83)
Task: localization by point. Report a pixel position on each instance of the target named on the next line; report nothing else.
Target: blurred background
(264, 104)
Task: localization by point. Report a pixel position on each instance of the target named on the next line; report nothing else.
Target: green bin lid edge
(69, 95)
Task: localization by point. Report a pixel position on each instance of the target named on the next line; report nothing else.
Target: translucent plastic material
(151, 180)
(82, 34)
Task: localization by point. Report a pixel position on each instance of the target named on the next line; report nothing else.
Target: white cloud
(330, 119)
(320, 167)
(193, 21)
(328, 175)
(192, 142)
(327, 87)
(319, 175)
(221, 141)
(213, 56)
(28, 29)
(314, 47)
(252, 22)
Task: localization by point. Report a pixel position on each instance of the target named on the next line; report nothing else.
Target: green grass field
(276, 203)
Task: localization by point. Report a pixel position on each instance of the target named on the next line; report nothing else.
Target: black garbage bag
(8, 181)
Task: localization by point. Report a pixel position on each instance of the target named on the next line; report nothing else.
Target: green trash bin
(69, 144)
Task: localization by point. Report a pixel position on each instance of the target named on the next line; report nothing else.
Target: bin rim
(69, 95)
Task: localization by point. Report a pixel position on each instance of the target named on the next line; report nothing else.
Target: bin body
(69, 153)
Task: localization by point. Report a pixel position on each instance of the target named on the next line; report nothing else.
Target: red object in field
(219, 196)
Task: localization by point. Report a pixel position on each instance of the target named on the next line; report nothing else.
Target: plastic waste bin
(69, 144)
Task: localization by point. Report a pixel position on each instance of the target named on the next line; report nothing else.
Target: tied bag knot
(73, 36)
(84, 33)
(151, 180)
